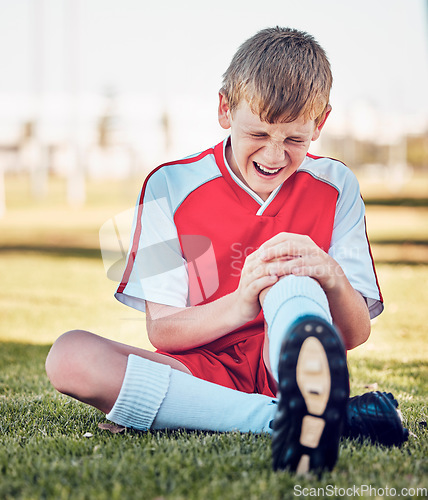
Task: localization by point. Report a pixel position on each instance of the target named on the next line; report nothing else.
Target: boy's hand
(256, 275)
(285, 253)
(289, 253)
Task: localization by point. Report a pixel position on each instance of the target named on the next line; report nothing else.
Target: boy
(243, 257)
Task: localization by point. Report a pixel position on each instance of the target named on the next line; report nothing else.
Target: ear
(320, 125)
(224, 115)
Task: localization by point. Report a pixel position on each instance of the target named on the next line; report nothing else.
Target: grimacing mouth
(265, 171)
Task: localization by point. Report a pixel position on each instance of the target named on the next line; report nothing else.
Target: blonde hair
(282, 73)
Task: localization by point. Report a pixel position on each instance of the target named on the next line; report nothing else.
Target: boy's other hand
(256, 275)
(289, 253)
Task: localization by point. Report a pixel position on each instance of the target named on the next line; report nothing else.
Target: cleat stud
(319, 329)
(287, 360)
(295, 403)
(330, 342)
(284, 357)
(285, 385)
(292, 337)
(337, 363)
(308, 328)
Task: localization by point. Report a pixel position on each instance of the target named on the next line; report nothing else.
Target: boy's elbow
(161, 329)
(158, 337)
(351, 342)
(153, 334)
(157, 343)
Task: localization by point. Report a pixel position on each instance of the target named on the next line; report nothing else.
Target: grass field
(54, 280)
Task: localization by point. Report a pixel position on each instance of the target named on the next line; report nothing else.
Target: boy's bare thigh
(126, 350)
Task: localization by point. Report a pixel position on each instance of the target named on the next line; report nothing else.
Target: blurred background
(96, 93)
(109, 89)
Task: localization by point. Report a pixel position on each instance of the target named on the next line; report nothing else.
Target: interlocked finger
(287, 246)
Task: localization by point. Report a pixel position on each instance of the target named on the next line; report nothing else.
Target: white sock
(158, 397)
(288, 300)
(143, 389)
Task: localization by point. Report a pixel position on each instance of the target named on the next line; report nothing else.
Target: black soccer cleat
(313, 392)
(374, 416)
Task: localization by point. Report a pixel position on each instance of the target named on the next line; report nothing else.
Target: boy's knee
(284, 280)
(62, 362)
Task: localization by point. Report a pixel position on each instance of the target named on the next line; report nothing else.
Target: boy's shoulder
(331, 171)
(179, 178)
(186, 166)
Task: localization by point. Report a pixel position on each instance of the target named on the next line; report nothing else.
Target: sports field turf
(51, 446)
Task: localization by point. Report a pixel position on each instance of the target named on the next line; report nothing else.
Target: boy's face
(261, 154)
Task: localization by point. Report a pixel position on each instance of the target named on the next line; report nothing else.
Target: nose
(274, 154)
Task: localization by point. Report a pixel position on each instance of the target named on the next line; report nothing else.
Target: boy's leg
(141, 389)
(158, 397)
(307, 358)
(293, 297)
(91, 368)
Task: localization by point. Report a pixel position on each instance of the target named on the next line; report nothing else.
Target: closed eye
(259, 136)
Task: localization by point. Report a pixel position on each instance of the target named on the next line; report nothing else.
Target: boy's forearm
(174, 329)
(178, 329)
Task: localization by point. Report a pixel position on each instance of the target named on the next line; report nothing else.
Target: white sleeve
(350, 247)
(156, 270)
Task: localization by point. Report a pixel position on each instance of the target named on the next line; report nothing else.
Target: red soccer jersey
(196, 222)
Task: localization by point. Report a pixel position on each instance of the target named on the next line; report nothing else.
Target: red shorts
(234, 361)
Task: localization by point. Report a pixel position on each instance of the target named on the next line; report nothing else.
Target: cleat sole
(307, 426)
